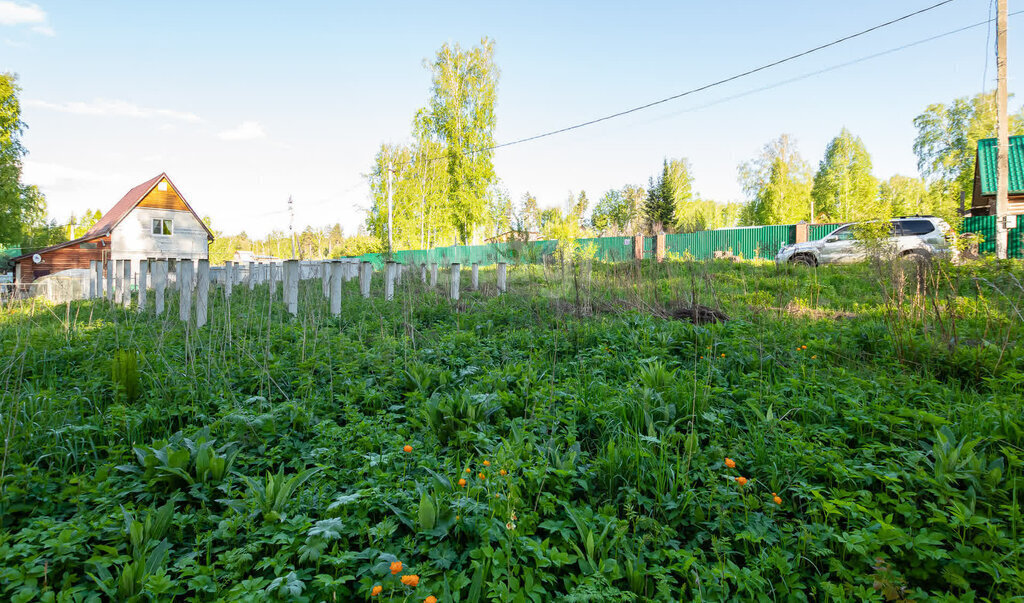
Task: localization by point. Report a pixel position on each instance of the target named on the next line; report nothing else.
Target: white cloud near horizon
(114, 108)
(17, 13)
(247, 130)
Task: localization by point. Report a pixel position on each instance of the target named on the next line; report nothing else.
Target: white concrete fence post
(502, 284)
(365, 274)
(229, 280)
(292, 278)
(184, 290)
(92, 279)
(325, 278)
(143, 284)
(390, 274)
(238, 273)
(337, 268)
(456, 275)
(202, 291)
(126, 287)
(110, 280)
(272, 281)
(118, 277)
(423, 273)
(251, 276)
(433, 274)
(159, 284)
(476, 276)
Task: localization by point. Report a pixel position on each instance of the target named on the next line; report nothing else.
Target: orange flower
(503, 472)
(702, 358)
(467, 470)
(430, 599)
(741, 480)
(396, 566)
(723, 355)
(803, 347)
(376, 590)
(487, 463)
(407, 448)
(411, 580)
(777, 500)
(813, 357)
(462, 482)
(482, 476)
(730, 463)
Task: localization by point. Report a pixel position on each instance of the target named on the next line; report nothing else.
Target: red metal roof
(128, 202)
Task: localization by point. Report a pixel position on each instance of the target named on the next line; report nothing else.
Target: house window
(162, 187)
(162, 227)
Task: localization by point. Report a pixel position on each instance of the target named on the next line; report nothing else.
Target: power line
(715, 83)
(831, 68)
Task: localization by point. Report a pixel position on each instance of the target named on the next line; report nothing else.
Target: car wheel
(802, 260)
(917, 256)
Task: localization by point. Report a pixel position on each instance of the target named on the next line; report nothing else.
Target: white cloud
(17, 13)
(52, 176)
(116, 108)
(247, 130)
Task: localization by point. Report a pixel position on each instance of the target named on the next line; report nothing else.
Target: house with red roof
(153, 221)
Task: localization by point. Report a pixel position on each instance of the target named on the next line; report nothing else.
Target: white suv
(917, 237)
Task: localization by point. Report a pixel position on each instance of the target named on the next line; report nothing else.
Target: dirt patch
(815, 313)
(675, 311)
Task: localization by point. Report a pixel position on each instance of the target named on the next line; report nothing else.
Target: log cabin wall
(77, 255)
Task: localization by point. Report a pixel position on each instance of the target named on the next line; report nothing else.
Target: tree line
(443, 190)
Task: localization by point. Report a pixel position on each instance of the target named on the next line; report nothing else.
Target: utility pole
(390, 216)
(1003, 135)
(291, 223)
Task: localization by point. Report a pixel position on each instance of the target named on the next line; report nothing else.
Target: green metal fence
(985, 228)
(747, 242)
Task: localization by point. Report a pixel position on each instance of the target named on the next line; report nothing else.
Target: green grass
(261, 457)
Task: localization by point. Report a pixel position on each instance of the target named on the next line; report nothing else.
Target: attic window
(162, 227)
(162, 187)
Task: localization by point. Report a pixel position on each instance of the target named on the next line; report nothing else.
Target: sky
(244, 104)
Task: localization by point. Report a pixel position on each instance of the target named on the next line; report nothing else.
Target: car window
(915, 227)
(844, 234)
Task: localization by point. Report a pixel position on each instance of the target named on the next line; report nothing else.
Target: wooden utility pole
(1003, 134)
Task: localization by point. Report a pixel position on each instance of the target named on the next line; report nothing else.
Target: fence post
(202, 291)
(638, 247)
(336, 269)
(110, 280)
(291, 280)
(325, 278)
(238, 273)
(228, 280)
(456, 274)
(659, 247)
(433, 274)
(365, 274)
(502, 286)
(92, 279)
(390, 274)
(185, 290)
(126, 286)
(476, 276)
(272, 280)
(159, 284)
(802, 232)
(143, 285)
(115, 297)
(423, 273)
(250, 277)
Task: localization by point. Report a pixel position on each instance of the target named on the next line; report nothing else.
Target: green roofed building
(983, 199)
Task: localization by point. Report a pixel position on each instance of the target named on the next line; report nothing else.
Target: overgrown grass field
(844, 433)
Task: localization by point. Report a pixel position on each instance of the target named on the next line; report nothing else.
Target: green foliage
(844, 188)
(22, 207)
(777, 185)
(265, 459)
(124, 374)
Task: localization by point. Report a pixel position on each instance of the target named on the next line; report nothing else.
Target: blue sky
(244, 103)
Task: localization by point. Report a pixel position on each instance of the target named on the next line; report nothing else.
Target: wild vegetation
(845, 433)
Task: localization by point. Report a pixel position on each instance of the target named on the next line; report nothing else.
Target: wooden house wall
(73, 256)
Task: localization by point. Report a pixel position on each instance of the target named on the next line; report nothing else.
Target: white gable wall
(133, 238)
